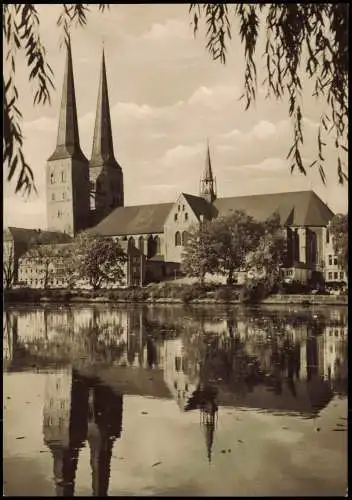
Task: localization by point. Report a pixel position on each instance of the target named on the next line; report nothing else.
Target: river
(170, 400)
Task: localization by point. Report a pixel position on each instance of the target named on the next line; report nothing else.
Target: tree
(8, 268)
(270, 253)
(199, 257)
(234, 236)
(309, 38)
(339, 231)
(98, 260)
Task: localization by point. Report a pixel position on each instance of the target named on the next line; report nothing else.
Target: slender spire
(208, 182)
(208, 173)
(67, 144)
(103, 149)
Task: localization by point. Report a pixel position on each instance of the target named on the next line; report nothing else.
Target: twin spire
(68, 144)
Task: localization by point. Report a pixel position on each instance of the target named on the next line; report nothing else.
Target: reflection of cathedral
(77, 409)
(65, 426)
(104, 427)
(175, 372)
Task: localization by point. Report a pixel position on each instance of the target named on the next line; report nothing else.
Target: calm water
(175, 401)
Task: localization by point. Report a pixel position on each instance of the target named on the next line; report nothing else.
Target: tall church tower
(208, 182)
(67, 175)
(106, 177)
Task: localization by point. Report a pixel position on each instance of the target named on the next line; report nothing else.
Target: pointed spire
(208, 173)
(103, 149)
(208, 183)
(67, 144)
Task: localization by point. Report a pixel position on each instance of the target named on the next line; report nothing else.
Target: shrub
(225, 293)
(191, 292)
(253, 292)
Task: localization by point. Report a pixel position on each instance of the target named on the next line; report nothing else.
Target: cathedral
(88, 195)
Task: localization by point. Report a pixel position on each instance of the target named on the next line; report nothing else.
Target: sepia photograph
(175, 249)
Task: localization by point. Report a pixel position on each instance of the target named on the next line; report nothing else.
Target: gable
(181, 214)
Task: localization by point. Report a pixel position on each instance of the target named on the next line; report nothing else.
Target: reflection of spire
(65, 466)
(65, 425)
(208, 413)
(104, 427)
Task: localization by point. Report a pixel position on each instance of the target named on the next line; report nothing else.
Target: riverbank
(166, 293)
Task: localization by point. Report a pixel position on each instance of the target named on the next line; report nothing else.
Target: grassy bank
(164, 293)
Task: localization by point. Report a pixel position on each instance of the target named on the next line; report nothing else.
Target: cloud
(267, 165)
(42, 124)
(172, 29)
(167, 96)
(263, 130)
(21, 213)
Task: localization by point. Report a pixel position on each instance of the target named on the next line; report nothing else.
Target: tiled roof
(138, 219)
(49, 249)
(23, 235)
(56, 247)
(200, 206)
(297, 208)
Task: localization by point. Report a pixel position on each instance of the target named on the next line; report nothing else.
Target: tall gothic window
(157, 245)
(178, 242)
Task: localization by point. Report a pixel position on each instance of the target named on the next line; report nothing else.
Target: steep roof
(297, 208)
(67, 143)
(200, 206)
(137, 219)
(23, 235)
(103, 149)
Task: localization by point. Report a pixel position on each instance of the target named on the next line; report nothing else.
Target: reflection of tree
(264, 351)
(90, 344)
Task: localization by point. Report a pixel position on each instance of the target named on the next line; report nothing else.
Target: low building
(333, 272)
(17, 241)
(47, 267)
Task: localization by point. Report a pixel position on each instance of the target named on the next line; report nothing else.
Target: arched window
(185, 237)
(151, 247)
(52, 180)
(131, 242)
(141, 243)
(157, 245)
(178, 239)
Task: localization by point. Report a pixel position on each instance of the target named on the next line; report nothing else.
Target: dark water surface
(175, 401)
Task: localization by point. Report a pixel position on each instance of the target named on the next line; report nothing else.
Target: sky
(167, 97)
